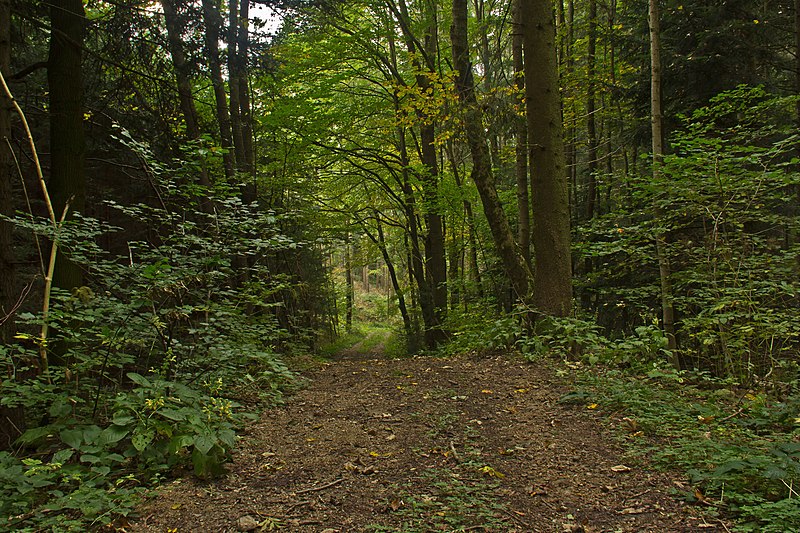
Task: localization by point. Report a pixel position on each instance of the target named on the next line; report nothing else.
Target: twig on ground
(321, 487)
(737, 413)
(455, 454)
(298, 504)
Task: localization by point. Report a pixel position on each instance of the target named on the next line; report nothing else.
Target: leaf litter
(426, 444)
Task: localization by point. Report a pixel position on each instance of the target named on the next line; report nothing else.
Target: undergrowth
(738, 444)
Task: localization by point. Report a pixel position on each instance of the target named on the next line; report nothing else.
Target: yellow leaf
(489, 471)
(486, 391)
(592, 406)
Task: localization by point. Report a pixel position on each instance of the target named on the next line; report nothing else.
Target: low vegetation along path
(426, 444)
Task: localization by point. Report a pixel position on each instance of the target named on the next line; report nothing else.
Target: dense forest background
(194, 195)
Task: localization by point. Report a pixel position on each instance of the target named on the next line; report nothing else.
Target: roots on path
(426, 444)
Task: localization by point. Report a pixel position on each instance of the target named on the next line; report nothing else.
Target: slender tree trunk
(435, 259)
(516, 269)
(521, 133)
(398, 291)
(656, 122)
(551, 240)
(67, 183)
(183, 79)
(591, 124)
(474, 267)
(246, 115)
(233, 84)
(213, 22)
(348, 279)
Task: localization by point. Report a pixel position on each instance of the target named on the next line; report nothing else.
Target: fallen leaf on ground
(620, 468)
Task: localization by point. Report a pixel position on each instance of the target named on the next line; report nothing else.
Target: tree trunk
(7, 270)
(183, 78)
(401, 301)
(551, 240)
(348, 278)
(435, 260)
(213, 23)
(67, 183)
(233, 84)
(12, 419)
(515, 267)
(591, 124)
(656, 122)
(245, 113)
(521, 133)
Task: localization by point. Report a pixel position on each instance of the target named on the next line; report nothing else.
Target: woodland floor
(426, 444)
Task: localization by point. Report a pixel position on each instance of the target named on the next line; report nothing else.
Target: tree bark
(183, 78)
(551, 241)
(67, 183)
(233, 84)
(245, 112)
(213, 22)
(12, 419)
(515, 267)
(348, 278)
(435, 259)
(521, 134)
(591, 108)
(7, 270)
(656, 123)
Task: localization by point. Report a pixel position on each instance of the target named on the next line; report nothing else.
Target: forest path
(426, 444)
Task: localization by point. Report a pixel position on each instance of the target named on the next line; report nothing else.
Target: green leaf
(88, 458)
(139, 380)
(122, 420)
(102, 470)
(72, 437)
(173, 414)
(32, 435)
(141, 440)
(204, 442)
(62, 456)
(112, 434)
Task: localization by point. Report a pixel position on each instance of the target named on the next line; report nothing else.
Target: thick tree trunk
(12, 419)
(213, 23)
(67, 183)
(551, 241)
(656, 122)
(521, 134)
(515, 267)
(7, 270)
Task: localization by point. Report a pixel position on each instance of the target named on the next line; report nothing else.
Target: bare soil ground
(426, 444)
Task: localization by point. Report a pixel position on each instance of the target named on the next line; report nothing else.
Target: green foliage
(737, 447)
(727, 195)
(483, 333)
(148, 359)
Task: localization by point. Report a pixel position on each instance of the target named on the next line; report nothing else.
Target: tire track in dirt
(426, 444)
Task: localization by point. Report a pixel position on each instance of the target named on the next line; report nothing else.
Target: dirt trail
(426, 444)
